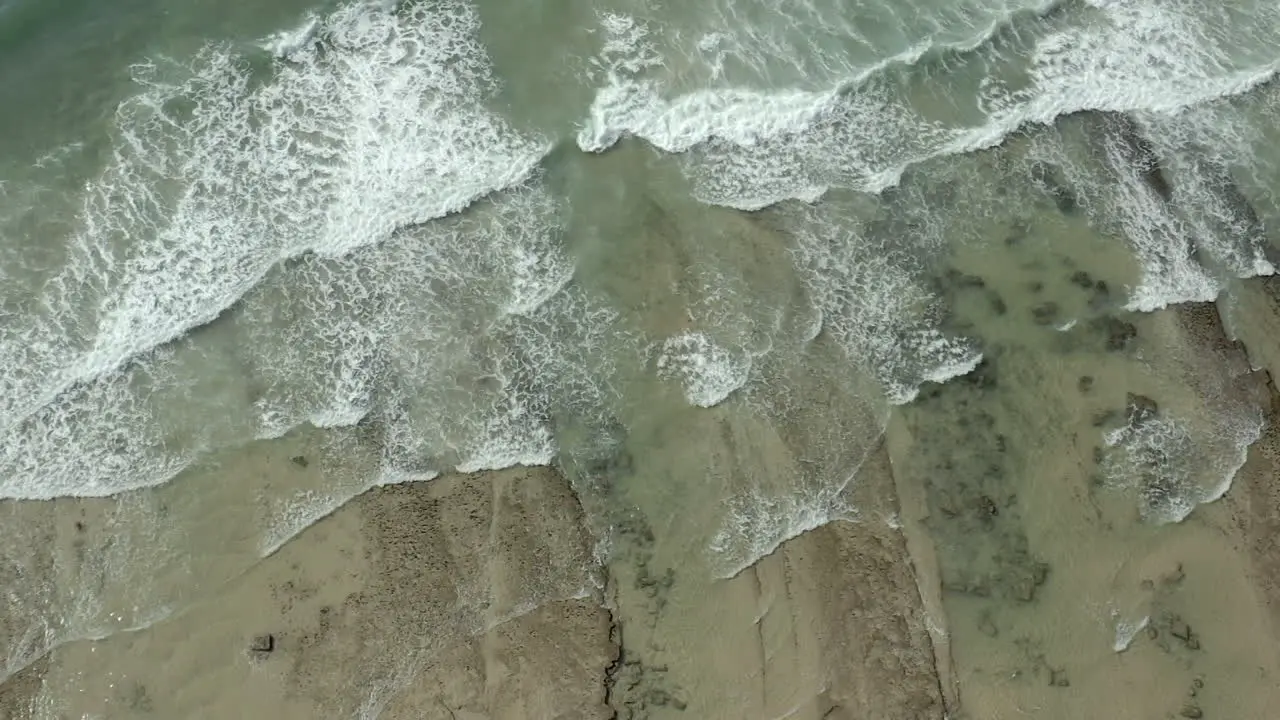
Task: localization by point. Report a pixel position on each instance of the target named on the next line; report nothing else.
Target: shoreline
(764, 636)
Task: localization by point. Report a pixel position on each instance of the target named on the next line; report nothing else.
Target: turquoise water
(537, 234)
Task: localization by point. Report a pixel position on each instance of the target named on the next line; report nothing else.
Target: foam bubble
(96, 439)
(513, 436)
(708, 372)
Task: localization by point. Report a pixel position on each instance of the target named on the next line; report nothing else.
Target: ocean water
(479, 236)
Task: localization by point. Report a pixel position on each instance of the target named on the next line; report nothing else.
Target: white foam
(1123, 203)
(1170, 272)
(96, 439)
(1126, 631)
(296, 40)
(708, 372)
(1200, 145)
(741, 117)
(298, 513)
(1176, 466)
(757, 524)
(947, 358)
(873, 304)
(441, 333)
(514, 437)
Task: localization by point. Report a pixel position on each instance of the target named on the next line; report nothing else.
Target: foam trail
(708, 372)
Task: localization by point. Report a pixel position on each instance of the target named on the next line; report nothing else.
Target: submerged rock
(264, 643)
(1138, 151)
(997, 303)
(1045, 313)
(1050, 181)
(1119, 335)
(1139, 409)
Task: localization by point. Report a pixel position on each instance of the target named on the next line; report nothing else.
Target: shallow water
(705, 260)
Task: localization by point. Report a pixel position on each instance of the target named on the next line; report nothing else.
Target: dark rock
(1139, 153)
(263, 643)
(1045, 313)
(1024, 589)
(987, 626)
(1082, 279)
(982, 377)
(1139, 408)
(1039, 573)
(1058, 678)
(1101, 295)
(997, 303)
(1047, 177)
(1103, 417)
(1175, 577)
(963, 281)
(300, 460)
(1017, 232)
(987, 507)
(79, 526)
(1065, 200)
(975, 587)
(611, 467)
(1085, 384)
(1119, 334)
